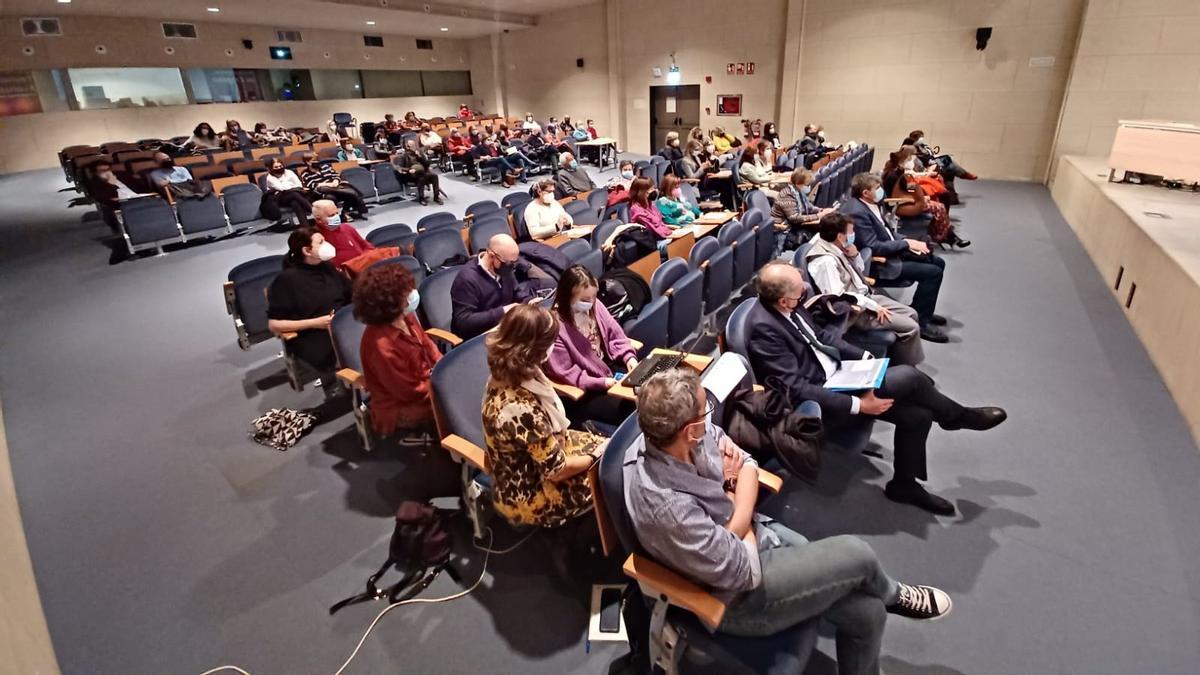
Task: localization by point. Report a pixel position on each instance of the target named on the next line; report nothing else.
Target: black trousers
(423, 179)
(294, 200)
(347, 197)
(917, 405)
(599, 407)
(927, 272)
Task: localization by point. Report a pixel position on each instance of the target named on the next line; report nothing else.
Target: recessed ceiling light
(64, 2)
(445, 30)
(214, 9)
(370, 23)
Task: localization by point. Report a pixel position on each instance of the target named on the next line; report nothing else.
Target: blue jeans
(839, 579)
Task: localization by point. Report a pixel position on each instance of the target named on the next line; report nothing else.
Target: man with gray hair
(346, 240)
(691, 493)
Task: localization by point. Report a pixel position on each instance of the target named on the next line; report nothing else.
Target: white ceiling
(400, 17)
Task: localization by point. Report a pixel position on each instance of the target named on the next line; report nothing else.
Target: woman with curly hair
(538, 465)
(397, 355)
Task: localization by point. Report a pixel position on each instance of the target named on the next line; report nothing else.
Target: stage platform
(1146, 242)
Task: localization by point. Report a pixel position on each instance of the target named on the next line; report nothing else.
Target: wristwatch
(730, 484)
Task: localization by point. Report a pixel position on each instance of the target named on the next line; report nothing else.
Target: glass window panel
(446, 82)
(213, 85)
(391, 83)
(292, 85)
(336, 84)
(127, 87)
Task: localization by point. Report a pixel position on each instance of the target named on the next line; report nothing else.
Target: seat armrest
(352, 378)
(568, 391)
(444, 336)
(288, 335)
(757, 387)
(468, 451)
(227, 289)
(878, 259)
(675, 589)
(770, 481)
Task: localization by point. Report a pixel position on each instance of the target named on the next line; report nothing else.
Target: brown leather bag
(355, 266)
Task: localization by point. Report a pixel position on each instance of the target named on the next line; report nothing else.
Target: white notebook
(858, 375)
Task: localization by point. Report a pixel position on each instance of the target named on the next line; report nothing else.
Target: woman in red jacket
(397, 355)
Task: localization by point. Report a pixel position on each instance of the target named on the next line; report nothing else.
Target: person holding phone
(544, 215)
(590, 349)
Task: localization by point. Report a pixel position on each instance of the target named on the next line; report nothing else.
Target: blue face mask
(581, 306)
(334, 221)
(805, 190)
(850, 239)
(414, 301)
(574, 165)
(627, 175)
(879, 194)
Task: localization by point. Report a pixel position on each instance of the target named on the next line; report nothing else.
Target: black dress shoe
(937, 320)
(978, 419)
(934, 334)
(911, 492)
(959, 242)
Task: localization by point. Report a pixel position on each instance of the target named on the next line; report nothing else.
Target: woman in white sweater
(544, 216)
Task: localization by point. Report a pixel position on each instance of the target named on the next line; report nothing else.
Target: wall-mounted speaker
(578, 63)
(248, 44)
(982, 35)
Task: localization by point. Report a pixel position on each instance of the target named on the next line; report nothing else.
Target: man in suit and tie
(790, 353)
(905, 259)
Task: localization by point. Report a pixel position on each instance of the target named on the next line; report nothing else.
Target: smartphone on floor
(610, 610)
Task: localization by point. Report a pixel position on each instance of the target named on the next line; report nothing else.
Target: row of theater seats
(150, 222)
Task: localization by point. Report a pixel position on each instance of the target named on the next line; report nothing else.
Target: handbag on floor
(280, 428)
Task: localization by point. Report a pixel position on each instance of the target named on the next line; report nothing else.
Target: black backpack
(631, 246)
(623, 293)
(420, 550)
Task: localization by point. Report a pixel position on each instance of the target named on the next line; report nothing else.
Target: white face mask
(581, 307)
(547, 197)
(414, 301)
(326, 251)
(908, 164)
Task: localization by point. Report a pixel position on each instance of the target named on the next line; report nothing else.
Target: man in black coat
(487, 287)
(789, 352)
(904, 259)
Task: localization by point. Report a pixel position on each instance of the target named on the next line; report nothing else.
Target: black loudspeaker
(578, 63)
(982, 35)
(248, 44)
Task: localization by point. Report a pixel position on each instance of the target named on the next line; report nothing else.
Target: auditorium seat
(362, 180)
(651, 325)
(148, 222)
(246, 299)
(457, 386)
(582, 213)
(432, 220)
(685, 290)
(436, 310)
(413, 265)
(482, 231)
(735, 236)
(397, 234)
(346, 333)
(241, 202)
(197, 216)
(435, 247)
(716, 263)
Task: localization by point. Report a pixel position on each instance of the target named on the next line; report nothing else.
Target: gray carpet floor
(165, 541)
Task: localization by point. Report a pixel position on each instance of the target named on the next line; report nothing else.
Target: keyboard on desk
(651, 366)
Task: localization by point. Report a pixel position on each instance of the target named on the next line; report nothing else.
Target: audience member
(566, 128)
(670, 150)
(905, 259)
(544, 215)
(263, 135)
(105, 188)
(691, 494)
(303, 298)
(204, 138)
(790, 352)
(591, 130)
(900, 182)
(486, 154)
(464, 113)
(771, 136)
(397, 356)
(235, 137)
(724, 142)
(531, 124)
(947, 168)
(572, 179)
(813, 140)
(836, 268)
(459, 147)
(346, 241)
(431, 141)
(792, 209)
(751, 171)
(349, 152)
(674, 207)
(590, 349)
(390, 125)
(414, 168)
(538, 465)
(284, 190)
(487, 287)
(321, 180)
(167, 173)
(643, 212)
(382, 146)
(411, 121)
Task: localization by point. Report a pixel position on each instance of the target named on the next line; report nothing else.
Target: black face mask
(277, 172)
(167, 164)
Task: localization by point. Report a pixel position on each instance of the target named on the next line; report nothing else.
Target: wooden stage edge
(1145, 242)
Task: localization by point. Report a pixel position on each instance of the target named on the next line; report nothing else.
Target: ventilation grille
(373, 40)
(424, 44)
(44, 26)
(179, 30)
(288, 35)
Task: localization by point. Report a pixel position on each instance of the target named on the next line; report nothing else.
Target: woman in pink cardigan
(643, 211)
(589, 349)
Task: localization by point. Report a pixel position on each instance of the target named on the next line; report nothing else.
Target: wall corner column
(790, 124)
(616, 88)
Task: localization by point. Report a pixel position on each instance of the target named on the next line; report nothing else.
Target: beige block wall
(30, 142)
(1137, 59)
(538, 67)
(873, 70)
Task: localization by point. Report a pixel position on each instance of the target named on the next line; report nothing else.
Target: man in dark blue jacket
(905, 259)
(486, 288)
(790, 353)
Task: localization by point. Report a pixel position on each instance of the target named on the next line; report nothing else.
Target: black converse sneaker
(923, 603)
